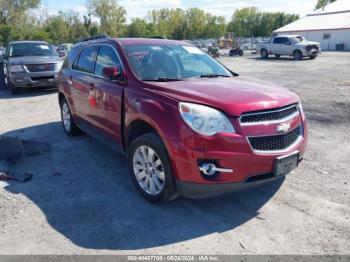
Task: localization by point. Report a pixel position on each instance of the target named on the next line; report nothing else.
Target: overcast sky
(139, 8)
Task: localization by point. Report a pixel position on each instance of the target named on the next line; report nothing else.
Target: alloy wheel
(66, 118)
(148, 169)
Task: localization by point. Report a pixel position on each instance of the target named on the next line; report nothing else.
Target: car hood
(233, 95)
(33, 60)
(306, 43)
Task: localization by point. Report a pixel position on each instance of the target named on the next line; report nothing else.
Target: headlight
(59, 65)
(205, 120)
(16, 69)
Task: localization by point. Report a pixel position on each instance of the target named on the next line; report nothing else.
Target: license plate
(285, 164)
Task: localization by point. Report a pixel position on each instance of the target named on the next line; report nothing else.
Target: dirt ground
(81, 200)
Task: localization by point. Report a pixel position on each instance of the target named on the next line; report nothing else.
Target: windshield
(31, 49)
(298, 39)
(172, 62)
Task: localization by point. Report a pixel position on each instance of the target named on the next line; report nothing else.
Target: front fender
(161, 115)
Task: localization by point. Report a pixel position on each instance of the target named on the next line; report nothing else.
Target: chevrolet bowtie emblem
(283, 128)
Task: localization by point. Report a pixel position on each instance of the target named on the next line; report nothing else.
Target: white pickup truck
(290, 45)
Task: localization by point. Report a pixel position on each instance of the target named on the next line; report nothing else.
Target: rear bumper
(198, 191)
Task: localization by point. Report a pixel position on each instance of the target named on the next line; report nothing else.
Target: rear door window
(87, 58)
(107, 57)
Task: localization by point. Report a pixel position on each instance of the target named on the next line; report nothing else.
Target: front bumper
(198, 191)
(27, 80)
(311, 52)
(227, 151)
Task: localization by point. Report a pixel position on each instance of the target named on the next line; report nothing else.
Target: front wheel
(150, 168)
(14, 89)
(240, 52)
(297, 55)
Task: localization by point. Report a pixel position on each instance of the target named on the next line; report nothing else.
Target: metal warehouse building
(330, 26)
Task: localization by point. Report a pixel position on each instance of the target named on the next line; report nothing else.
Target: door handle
(69, 80)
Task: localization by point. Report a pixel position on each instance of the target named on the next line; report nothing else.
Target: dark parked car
(189, 126)
(30, 64)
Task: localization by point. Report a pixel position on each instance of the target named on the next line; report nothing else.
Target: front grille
(269, 115)
(310, 47)
(38, 78)
(40, 67)
(275, 142)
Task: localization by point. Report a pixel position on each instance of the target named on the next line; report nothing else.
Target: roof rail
(95, 37)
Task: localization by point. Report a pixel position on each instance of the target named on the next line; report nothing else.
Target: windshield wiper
(212, 75)
(163, 79)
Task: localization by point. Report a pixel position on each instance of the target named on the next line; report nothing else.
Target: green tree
(322, 3)
(13, 11)
(196, 21)
(250, 21)
(215, 26)
(140, 28)
(243, 21)
(112, 16)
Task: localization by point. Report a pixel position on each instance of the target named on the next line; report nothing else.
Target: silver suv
(30, 64)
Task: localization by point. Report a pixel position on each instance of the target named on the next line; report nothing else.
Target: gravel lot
(81, 200)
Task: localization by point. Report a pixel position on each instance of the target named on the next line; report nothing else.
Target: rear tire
(69, 127)
(264, 54)
(240, 52)
(297, 55)
(150, 169)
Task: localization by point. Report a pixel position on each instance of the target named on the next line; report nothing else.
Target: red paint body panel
(118, 105)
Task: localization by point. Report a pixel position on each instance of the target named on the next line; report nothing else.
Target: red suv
(188, 125)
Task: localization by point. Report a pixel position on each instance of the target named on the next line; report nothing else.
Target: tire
(278, 56)
(69, 127)
(150, 169)
(15, 90)
(297, 55)
(264, 54)
(245, 48)
(313, 56)
(240, 52)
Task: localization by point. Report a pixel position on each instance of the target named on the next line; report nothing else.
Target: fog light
(209, 169)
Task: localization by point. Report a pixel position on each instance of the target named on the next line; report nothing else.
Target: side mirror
(111, 73)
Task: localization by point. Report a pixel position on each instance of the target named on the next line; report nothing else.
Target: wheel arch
(61, 96)
(136, 128)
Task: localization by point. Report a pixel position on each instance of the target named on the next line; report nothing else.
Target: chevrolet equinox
(189, 126)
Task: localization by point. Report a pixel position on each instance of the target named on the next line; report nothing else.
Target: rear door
(81, 78)
(108, 93)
